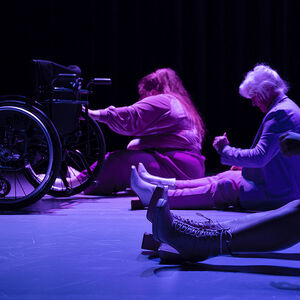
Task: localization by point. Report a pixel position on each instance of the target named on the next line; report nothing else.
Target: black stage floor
(89, 248)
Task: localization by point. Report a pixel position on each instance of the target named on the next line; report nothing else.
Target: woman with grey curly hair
(262, 85)
(180, 239)
(263, 178)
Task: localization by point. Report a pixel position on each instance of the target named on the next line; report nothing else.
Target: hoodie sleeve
(138, 119)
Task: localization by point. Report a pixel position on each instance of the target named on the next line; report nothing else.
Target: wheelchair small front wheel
(29, 146)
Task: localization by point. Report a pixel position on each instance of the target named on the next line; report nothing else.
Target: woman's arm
(275, 124)
(137, 119)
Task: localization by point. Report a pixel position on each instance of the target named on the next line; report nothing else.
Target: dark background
(211, 44)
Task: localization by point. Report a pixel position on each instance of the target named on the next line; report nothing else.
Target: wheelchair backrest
(47, 73)
(56, 88)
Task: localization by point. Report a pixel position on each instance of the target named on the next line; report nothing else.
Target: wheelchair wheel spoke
(20, 184)
(75, 163)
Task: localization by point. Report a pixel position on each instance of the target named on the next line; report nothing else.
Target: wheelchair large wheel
(83, 156)
(29, 145)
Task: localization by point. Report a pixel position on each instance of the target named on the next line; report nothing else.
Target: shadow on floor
(49, 204)
(253, 269)
(270, 255)
(256, 269)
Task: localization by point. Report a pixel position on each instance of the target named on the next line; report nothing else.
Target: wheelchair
(48, 140)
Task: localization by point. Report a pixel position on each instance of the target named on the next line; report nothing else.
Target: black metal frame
(58, 88)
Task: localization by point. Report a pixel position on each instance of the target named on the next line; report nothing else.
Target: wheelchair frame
(44, 141)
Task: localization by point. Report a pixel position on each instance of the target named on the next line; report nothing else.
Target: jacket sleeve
(267, 147)
(137, 119)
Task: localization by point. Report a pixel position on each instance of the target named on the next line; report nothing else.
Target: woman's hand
(98, 114)
(94, 114)
(220, 142)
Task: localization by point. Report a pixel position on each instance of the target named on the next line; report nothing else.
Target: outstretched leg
(156, 180)
(218, 191)
(268, 231)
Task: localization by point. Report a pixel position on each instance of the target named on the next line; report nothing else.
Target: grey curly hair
(262, 81)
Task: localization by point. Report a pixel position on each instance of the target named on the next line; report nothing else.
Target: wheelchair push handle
(99, 81)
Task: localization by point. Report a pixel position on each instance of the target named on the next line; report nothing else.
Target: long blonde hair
(166, 81)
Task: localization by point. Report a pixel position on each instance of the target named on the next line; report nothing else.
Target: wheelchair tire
(82, 149)
(29, 145)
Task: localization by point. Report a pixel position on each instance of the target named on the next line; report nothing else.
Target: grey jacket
(269, 179)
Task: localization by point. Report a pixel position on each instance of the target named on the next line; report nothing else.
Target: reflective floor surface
(89, 248)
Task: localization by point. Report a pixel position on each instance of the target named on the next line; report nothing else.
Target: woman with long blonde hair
(167, 129)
